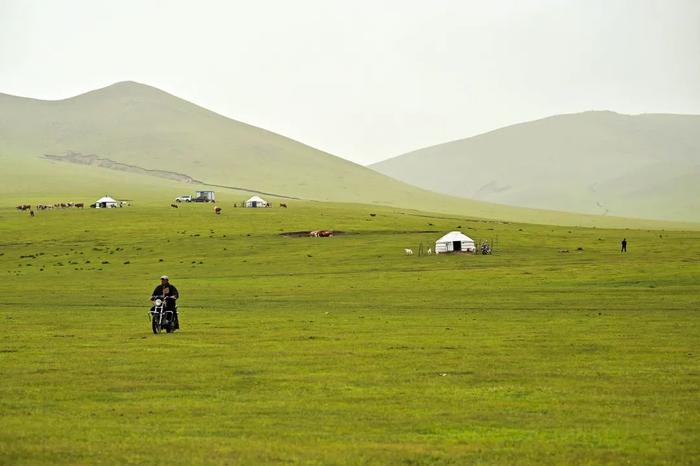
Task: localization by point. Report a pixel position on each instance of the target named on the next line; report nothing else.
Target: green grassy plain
(343, 350)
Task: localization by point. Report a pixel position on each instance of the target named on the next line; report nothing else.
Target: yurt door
(456, 245)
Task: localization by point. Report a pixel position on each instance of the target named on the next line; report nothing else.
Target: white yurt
(455, 241)
(106, 203)
(256, 201)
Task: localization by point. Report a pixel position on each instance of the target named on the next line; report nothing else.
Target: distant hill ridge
(132, 138)
(597, 162)
(135, 125)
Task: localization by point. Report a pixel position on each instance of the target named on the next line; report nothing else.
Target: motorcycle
(163, 317)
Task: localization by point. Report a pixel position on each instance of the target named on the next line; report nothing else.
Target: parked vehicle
(204, 196)
(184, 198)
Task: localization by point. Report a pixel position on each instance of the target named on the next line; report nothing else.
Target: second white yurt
(256, 201)
(455, 241)
(106, 203)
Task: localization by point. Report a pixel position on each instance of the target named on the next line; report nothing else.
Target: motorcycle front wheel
(155, 326)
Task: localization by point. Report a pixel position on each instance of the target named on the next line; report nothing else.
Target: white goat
(409, 252)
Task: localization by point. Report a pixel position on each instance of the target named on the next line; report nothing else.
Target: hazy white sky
(363, 79)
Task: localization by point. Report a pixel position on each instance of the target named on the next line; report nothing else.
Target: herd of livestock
(485, 249)
(80, 205)
(61, 205)
(217, 211)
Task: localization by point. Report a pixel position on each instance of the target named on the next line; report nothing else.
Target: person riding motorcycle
(170, 295)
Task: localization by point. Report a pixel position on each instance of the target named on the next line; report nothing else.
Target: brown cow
(282, 204)
(174, 206)
(79, 205)
(217, 210)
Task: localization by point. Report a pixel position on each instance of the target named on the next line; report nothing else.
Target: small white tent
(106, 203)
(455, 241)
(256, 201)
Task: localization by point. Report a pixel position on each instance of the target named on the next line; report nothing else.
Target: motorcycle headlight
(159, 302)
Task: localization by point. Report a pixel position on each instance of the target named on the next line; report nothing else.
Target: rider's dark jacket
(166, 290)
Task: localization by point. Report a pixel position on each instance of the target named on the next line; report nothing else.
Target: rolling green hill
(594, 162)
(133, 141)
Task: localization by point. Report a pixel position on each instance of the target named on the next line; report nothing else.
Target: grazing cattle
(372, 215)
(23, 207)
(217, 210)
(80, 205)
(409, 252)
(31, 212)
(282, 204)
(174, 206)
